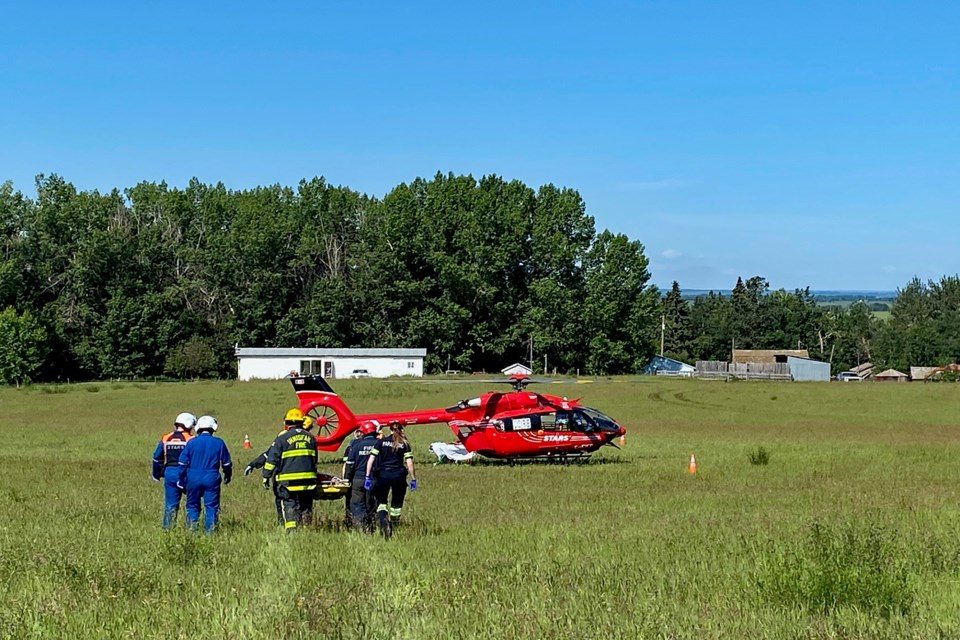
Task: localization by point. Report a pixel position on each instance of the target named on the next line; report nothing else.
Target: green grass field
(849, 531)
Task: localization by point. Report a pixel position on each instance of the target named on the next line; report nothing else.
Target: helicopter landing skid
(552, 458)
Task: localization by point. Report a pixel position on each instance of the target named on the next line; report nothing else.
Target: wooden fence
(743, 370)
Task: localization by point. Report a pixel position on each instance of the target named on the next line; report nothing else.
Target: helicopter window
(518, 424)
(522, 424)
(563, 421)
(582, 423)
(603, 422)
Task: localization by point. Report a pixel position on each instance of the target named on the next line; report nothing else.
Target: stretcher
(331, 487)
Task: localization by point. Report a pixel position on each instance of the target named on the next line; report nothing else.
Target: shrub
(760, 456)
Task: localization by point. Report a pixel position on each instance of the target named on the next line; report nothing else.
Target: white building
(273, 364)
(516, 368)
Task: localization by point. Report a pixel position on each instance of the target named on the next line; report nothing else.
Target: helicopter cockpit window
(603, 422)
(581, 422)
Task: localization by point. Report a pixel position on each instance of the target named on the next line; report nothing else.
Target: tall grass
(851, 533)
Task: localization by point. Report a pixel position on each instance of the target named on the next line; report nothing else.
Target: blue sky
(813, 143)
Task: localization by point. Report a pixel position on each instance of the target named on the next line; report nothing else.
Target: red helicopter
(512, 425)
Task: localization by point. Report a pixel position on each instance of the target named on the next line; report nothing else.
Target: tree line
(160, 281)
(923, 328)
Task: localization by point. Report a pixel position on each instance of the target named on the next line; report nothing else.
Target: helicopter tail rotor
(332, 418)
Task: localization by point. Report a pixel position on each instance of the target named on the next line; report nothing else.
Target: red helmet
(369, 426)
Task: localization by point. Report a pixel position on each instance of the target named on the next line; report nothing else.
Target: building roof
(890, 373)
(304, 352)
(663, 363)
(766, 355)
(863, 370)
(922, 373)
(516, 367)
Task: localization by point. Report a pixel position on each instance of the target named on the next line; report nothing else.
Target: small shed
(922, 373)
(664, 366)
(807, 370)
(516, 368)
(891, 375)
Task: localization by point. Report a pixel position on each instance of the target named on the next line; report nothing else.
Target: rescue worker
(393, 460)
(360, 501)
(166, 464)
(200, 463)
(292, 464)
(260, 460)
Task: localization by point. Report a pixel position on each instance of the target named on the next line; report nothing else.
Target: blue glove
(367, 483)
(413, 485)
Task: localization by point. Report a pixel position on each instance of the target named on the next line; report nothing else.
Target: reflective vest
(172, 444)
(292, 461)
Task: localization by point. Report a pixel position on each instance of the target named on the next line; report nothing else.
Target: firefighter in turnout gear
(166, 464)
(292, 464)
(260, 460)
(201, 462)
(361, 503)
(392, 460)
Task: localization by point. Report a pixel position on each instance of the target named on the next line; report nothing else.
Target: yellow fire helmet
(307, 422)
(294, 418)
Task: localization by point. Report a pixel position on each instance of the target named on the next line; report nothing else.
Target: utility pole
(531, 352)
(663, 329)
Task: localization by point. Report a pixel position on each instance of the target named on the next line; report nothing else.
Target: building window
(311, 367)
(410, 364)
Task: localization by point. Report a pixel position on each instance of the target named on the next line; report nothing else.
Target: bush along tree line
(160, 281)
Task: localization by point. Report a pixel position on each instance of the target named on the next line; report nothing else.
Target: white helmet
(187, 420)
(207, 422)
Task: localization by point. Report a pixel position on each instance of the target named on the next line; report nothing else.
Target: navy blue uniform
(391, 480)
(361, 502)
(201, 462)
(166, 467)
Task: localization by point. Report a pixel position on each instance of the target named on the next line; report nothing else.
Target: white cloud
(670, 254)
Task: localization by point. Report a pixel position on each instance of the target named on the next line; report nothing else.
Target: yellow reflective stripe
(290, 525)
(302, 487)
(407, 456)
(381, 507)
(395, 512)
(374, 452)
(269, 466)
(302, 475)
(293, 453)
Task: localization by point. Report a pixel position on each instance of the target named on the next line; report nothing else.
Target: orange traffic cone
(246, 442)
(693, 463)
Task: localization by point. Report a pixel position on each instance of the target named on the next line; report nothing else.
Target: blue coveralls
(166, 459)
(201, 461)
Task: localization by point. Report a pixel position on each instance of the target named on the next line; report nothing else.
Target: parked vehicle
(359, 373)
(848, 376)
